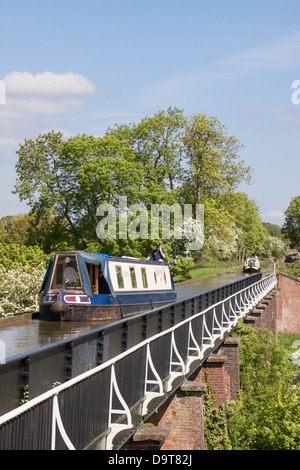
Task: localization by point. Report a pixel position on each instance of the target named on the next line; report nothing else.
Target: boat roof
(96, 258)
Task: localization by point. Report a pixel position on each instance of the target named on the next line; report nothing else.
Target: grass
(292, 269)
(210, 269)
(288, 341)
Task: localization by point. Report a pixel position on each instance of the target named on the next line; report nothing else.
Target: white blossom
(19, 290)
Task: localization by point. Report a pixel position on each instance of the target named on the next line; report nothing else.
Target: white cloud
(44, 94)
(48, 83)
(279, 54)
(274, 214)
(31, 106)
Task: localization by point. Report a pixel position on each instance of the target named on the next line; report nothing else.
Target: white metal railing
(232, 308)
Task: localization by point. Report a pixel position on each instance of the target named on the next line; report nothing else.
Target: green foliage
(181, 266)
(71, 178)
(250, 231)
(292, 269)
(273, 230)
(214, 169)
(13, 256)
(25, 396)
(166, 158)
(291, 226)
(273, 247)
(288, 340)
(215, 428)
(268, 414)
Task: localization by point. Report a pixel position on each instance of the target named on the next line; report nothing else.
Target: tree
(163, 159)
(291, 226)
(245, 213)
(14, 256)
(157, 143)
(6, 223)
(220, 231)
(214, 168)
(273, 229)
(71, 178)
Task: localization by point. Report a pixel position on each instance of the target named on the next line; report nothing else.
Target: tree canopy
(163, 159)
(291, 227)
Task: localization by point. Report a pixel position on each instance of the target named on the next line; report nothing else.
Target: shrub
(19, 289)
(181, 266)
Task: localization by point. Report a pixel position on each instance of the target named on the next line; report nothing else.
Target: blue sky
(82, 66)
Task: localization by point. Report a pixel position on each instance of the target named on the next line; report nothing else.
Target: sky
(80, 67)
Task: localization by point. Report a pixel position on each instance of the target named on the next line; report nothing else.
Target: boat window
(66, 273)
(59, 274)
(155, 277)
(165, 277)
(119, 276)
(144, 277)
(133, 277)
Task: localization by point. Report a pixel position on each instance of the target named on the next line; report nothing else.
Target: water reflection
(192, 288)
(36, 333)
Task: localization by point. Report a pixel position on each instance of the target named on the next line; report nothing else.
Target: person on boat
(158, 254)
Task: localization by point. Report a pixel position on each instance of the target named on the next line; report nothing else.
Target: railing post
(100, 339)
(25, 380)
(144, 327)
(124, 336)
(69, 360)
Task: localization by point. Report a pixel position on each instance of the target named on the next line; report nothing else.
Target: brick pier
(178, 422)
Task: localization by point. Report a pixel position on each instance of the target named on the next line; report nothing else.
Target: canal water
(192, 288)
(33, 334)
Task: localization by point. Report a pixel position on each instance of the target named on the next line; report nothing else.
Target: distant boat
(251, 265)
(80, 286)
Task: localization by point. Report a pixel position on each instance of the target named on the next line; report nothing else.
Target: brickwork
(218, 377)
(147, 438)
(288, 304)
(271, 313)
(182, 414)
(230, 349)
(265, 314)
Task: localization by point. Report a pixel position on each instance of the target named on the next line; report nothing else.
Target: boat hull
(63, 312)
(251, 270)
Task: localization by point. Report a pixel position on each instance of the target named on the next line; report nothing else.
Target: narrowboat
(80, 286)
(251, 265)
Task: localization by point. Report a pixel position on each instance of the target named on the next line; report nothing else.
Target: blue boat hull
(111, 309)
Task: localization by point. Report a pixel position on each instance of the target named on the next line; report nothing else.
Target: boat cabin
(251, 265)
(120, 285)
